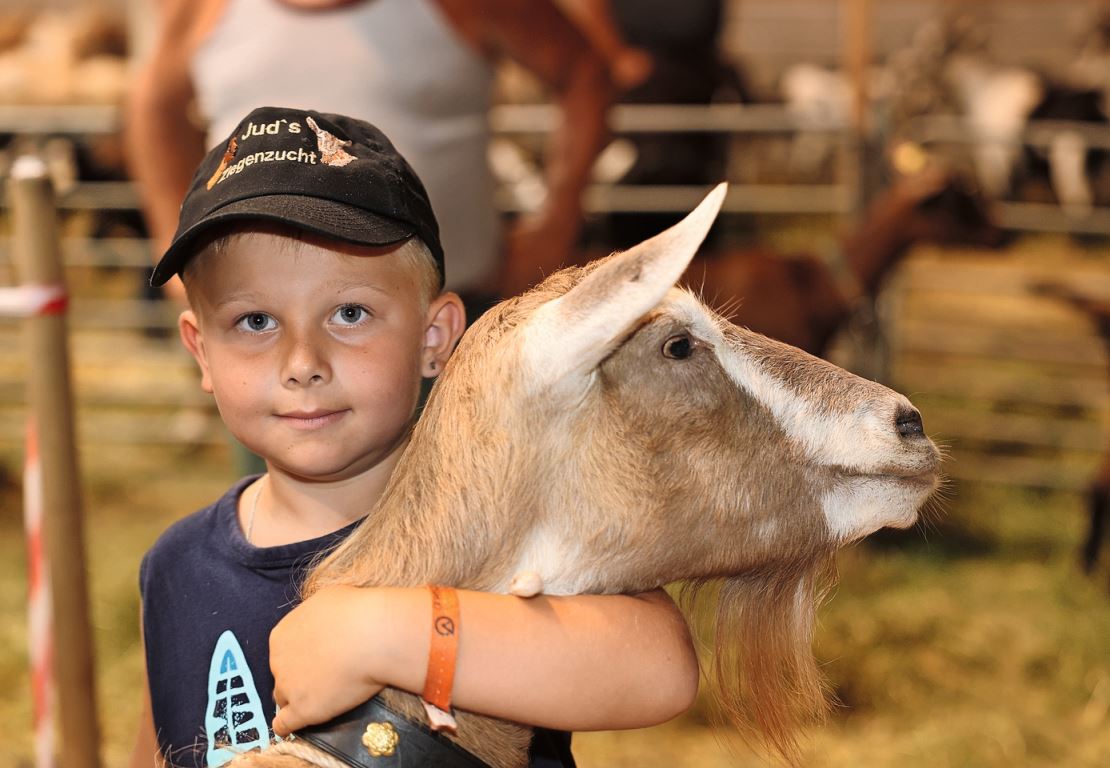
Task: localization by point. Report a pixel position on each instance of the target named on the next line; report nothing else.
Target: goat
(606, 432)
(804, 299)
(1071, 167)
(821, 101)
(998, 102)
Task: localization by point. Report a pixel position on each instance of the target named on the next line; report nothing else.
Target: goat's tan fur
(636, 470)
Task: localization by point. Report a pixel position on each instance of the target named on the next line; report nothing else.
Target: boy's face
(314, 355)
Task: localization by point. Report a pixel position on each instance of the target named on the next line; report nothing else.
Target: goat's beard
(765, 679)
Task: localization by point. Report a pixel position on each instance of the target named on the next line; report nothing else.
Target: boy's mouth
(311, 419)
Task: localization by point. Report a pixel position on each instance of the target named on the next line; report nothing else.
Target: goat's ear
(575, 332)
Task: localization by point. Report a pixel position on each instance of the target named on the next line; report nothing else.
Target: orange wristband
(444, 648)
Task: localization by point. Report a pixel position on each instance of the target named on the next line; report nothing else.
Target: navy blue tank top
(210, 600)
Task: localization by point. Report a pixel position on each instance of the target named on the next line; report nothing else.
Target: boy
(312, 263)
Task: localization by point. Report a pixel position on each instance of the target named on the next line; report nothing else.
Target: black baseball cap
(328, 174)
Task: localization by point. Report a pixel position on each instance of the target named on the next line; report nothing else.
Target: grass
(130, 497)
(982, 647)
(973, 641)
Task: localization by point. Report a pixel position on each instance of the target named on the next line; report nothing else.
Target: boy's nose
(305, 365)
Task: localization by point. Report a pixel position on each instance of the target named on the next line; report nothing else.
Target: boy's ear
(191, 337)
(446, 320)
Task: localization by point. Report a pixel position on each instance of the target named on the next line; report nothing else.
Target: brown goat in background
(805, 299)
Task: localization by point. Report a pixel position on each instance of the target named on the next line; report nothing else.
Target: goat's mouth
(924, 478)
(893, 495)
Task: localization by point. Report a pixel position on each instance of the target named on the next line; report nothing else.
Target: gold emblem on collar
(380, 739)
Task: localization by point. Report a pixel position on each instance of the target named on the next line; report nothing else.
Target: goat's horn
(574, 333)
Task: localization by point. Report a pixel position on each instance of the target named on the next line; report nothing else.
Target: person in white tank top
(419, 69)
(424, 65)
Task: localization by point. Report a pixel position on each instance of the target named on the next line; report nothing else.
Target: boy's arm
(588, 662)
(145, 753)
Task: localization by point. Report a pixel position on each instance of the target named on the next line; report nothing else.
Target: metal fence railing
(128, 336)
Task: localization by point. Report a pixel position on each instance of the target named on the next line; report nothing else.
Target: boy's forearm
(163, 147)
(571, 663)
(578, 137)
(543, 40)
(163, 150)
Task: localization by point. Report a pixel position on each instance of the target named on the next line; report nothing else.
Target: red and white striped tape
(33, 300)
(40, 635)
(26, 301)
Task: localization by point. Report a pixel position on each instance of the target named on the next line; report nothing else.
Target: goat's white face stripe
(843, 439)
(860, 439)
(840, 439)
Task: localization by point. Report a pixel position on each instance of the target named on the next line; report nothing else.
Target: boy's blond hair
(415, 256)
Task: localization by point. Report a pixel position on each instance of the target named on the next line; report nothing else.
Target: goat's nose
(908, 423)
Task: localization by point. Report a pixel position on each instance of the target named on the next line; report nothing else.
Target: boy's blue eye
(349, 314)
(256, 322)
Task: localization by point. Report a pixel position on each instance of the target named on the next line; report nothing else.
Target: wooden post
(855, 47)
(855, 53)
(38, 260)
(865, 166)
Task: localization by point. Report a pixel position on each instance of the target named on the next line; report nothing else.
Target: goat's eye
(678, 347)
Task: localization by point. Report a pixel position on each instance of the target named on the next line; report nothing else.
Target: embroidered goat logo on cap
(330, 146)
(229, 155)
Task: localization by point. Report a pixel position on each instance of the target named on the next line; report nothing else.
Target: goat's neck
(879, 241)
(439, 532)
(431, 525)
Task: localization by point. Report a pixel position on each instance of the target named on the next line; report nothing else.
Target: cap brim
(323, 217)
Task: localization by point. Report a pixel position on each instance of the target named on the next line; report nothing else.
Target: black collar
(374, 736)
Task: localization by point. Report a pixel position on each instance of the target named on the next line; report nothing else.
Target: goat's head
(636, 424)
(610, 433)
(944, 206)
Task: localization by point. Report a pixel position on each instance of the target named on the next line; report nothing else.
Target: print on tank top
(233, 718)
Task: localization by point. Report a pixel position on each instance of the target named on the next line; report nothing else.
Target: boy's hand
(319, 654)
